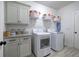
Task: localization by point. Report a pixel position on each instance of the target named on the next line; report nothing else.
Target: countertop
(20, 35)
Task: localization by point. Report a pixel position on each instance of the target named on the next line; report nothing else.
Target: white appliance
(41, 44)
(57, 41)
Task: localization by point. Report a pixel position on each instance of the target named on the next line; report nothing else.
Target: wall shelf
(15, 24)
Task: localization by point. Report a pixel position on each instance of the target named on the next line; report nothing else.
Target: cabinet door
(12, 13)
(25, 47)
(24, 14)
(11, 48)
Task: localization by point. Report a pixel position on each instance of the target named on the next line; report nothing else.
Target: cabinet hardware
(19, 43)
(12, 40)
(26, 38)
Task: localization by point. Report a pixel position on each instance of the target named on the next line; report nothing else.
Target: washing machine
(41, 44)
(57, 41)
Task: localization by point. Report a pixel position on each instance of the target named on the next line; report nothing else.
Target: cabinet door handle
(19, 21)
(25, 38)
(19, 43)
(12, 40)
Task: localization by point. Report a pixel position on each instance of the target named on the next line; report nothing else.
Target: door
(12, 12)
(76, 32)
(1, 25)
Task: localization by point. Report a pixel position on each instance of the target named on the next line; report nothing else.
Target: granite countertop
(20, 35)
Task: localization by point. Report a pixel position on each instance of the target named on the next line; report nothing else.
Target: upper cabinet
(24, 14)
(11, 13)
(17, 13)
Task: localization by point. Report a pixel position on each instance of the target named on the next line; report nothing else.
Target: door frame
(1, 26)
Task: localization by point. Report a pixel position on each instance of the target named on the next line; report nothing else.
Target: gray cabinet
(17, 47)
(24, 14)
(11, 48)
(17, 13)
(11, 13)
(25, 46)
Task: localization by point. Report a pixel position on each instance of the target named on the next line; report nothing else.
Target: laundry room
(39, 29)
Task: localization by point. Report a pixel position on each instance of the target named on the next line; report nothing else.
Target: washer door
(44, 43)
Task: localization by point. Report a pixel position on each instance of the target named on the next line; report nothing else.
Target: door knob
(75, 32)
(4, 42)
(1, 43)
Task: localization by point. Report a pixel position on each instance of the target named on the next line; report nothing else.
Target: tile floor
(66, 52)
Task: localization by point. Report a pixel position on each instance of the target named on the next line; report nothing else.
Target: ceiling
(55, 4)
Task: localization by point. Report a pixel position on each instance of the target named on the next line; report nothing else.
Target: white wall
(67, 15)
(1, 25)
